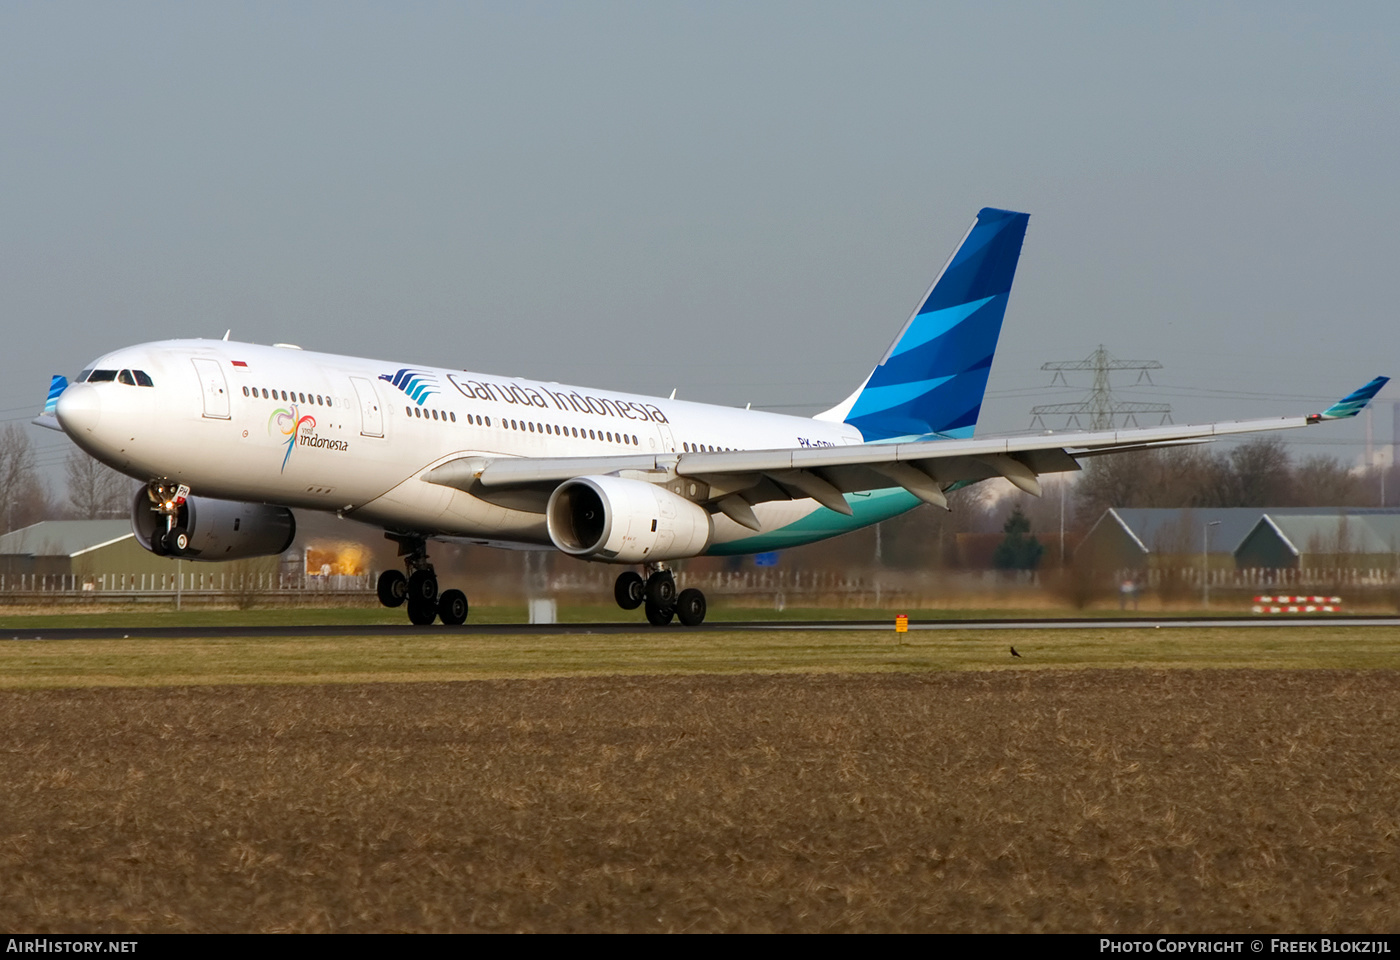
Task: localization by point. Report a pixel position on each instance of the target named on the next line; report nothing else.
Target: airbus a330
(230, 437)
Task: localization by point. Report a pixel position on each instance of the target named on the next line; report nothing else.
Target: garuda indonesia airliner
(229, 438)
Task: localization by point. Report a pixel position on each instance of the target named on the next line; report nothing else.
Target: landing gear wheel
(177, 541)
(661, 590)
(393, 588)
(421, 612)
(630, 590)
(659, 616)
(422, 586)
(690, 607)
(452, 607)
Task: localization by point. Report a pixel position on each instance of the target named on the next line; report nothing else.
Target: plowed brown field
(1084, 800)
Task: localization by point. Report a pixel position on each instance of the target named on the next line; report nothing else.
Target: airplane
(229, 438)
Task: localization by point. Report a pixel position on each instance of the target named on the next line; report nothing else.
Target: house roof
(63, 538)
(1337, 533)
(1182, 530)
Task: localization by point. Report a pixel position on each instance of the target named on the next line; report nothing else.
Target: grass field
(669, 780)
(1063, 800)
(438, 655)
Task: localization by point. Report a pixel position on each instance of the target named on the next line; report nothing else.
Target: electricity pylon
(1099, 407)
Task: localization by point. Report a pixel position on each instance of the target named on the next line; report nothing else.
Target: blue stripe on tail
(57, 385)
(934, 376)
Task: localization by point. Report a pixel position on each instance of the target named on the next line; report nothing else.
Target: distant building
(1243, 538)
(1136, 538)
(1365, 540)
(80, 548)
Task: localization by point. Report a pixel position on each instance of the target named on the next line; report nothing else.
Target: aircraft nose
(79, 410)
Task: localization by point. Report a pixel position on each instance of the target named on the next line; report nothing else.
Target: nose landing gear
(658, 593)
(419, 588)
(168, 500)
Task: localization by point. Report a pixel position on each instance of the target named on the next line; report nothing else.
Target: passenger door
(214, 386)
(371, 416)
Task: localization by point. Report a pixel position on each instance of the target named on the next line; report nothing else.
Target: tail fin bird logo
(417, 385)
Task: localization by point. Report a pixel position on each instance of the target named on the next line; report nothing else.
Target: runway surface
(726, 626)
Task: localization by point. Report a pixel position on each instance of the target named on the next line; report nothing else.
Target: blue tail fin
(57, 385)
(932, 378)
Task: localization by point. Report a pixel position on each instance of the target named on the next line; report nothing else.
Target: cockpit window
(82, 377)
(143, 379)
(101, 376)
(126, 378)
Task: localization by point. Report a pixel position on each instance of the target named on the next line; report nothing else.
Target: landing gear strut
(658, 593)
(418, 587)
(168, 500)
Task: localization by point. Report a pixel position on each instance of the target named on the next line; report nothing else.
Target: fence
(593, 584)
(195, 586)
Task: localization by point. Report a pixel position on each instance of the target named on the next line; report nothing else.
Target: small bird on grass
(1014, 653)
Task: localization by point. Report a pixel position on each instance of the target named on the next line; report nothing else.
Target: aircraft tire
(452, 607)
(630, 590)
(661, 590)
(659, 616)
(423, 587)
(177, 541)
(392, 588)
(690, 607)
(421, 613)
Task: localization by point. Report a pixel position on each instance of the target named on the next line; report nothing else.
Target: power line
(1100, 407)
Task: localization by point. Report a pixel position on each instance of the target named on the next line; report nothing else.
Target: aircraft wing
(735, 480)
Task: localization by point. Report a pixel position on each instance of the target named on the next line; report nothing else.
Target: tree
(1260, 474)
(94, 490)
(1018, 550)
(22, 499)
(1325, 481)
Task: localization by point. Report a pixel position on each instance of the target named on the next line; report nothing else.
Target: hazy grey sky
(739, 200)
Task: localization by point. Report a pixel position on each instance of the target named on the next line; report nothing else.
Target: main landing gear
(658, 593)
(419, 587)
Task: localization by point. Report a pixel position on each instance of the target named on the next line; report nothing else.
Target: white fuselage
(317, 431)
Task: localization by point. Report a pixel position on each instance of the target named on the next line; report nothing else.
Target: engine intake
(625, 521)
(217, 529)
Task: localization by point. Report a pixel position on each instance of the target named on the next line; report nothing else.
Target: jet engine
(207, 529)
(625, 521)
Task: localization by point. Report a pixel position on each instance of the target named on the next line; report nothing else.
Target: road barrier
(1297, 605)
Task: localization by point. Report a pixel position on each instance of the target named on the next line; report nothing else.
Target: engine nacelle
(217, 529)
(625, 521)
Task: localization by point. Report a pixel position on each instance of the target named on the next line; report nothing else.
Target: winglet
(1352, 404)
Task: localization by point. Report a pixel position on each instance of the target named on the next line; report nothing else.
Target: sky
(740, 201)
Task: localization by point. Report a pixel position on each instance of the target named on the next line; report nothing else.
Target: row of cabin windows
(132, 378)
(546, 428)
(292, 396)
(702, 448)
(582, 433)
